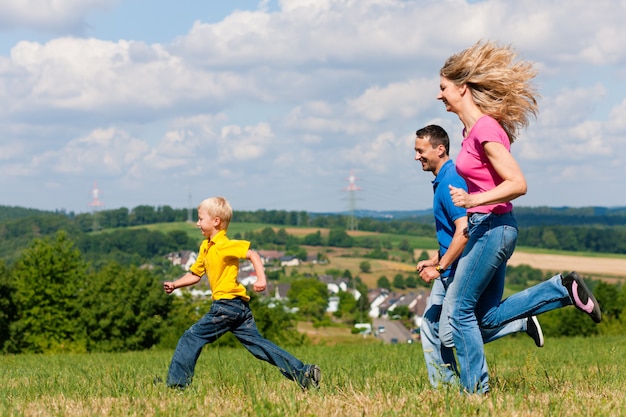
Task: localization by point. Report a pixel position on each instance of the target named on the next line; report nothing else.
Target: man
(432, 147)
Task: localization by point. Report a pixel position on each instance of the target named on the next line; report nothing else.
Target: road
(394, 331)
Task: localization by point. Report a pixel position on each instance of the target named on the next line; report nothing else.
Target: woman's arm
(512, 186)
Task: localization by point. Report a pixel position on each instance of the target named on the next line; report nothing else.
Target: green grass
(568, 377)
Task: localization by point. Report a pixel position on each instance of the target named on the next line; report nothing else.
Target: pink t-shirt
(473, 165)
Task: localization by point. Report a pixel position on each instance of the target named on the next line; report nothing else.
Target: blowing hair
(500, 84)
(217, 207)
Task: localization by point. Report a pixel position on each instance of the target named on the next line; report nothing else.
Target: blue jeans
(440, 362)
(475, 296)
(234, 316)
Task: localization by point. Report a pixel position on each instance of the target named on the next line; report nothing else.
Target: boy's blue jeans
(440, 362)
(475, 296)
(234, 316)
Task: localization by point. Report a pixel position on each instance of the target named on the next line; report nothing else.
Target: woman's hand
(461, 198)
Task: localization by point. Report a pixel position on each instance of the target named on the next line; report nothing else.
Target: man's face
(427, 155)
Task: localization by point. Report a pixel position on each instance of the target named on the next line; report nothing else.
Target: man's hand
(429, 274)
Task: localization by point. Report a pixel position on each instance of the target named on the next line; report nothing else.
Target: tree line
(591, 229)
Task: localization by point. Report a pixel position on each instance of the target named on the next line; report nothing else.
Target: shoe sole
(539, 339)
(591, 307)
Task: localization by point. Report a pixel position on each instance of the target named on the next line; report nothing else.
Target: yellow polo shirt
(219, 260)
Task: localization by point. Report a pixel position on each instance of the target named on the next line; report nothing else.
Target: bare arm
(429, 273)
(512, 186)
(184, 281)
(261, 282)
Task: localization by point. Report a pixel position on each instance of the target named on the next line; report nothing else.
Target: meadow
(360, 377)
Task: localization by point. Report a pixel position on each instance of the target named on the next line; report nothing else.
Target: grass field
(568, 377)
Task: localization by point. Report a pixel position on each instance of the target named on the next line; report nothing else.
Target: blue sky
(273, 103)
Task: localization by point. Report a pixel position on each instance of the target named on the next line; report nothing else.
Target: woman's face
(449, 94)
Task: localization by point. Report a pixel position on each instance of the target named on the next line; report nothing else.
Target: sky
(275, 105)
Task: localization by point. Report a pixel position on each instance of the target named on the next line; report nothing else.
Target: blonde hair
(500, 85)
(217, 207)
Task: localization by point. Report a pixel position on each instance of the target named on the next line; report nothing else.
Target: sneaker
(313, 377)
(533, 329)
(581, 296)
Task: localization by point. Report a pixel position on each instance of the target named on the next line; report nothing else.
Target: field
(568, 377)
(611, 268)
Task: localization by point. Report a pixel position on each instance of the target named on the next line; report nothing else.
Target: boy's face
(208, 225)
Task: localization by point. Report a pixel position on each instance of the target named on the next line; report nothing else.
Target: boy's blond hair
(217, 207)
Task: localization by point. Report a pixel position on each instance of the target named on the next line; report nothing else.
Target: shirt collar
(446, 166)
(219, 236)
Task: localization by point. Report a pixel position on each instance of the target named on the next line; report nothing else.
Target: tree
(383, 282)
(423, 256)
(411, 281)
(8, 310)
(310, 296)
(122, 309)
(347, 306)
(398, 281)
(313, 239)
(47, 281)
(365, 266)
(339, 238)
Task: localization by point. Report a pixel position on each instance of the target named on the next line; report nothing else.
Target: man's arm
(459, 240)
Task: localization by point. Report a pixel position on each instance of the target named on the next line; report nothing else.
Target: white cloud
(103, 152)
(57, 16)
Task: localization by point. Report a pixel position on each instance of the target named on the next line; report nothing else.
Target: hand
(429, 274)
(423, 264)
(460, 197)
(169, 287)
(259, 285)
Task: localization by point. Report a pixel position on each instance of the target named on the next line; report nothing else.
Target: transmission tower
(95, 205)
(189, 210)
(352, 188)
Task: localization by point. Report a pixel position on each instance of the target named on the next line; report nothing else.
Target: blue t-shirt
(444, 209)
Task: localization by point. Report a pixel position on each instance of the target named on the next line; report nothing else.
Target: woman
(493, 96)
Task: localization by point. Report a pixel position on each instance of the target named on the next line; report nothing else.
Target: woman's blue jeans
(440, 362)
(474, 299)
(234, 316)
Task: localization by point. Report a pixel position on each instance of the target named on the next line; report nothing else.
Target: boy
(218, 258)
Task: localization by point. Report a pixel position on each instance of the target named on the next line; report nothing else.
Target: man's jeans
(475, 296)
(440, 362)
(235, 316)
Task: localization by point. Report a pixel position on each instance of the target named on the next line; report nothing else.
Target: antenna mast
(352, 188)
(95, 204)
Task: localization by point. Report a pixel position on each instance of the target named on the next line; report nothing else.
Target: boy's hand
(259, 285)
(169, 287)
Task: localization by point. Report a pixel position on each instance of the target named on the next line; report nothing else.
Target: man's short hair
(436, 135)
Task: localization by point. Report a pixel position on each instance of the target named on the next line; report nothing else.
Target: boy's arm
(184, 281)
(261, 281)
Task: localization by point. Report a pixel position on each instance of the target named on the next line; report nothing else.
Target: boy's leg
(291, 367)
(206, 330)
